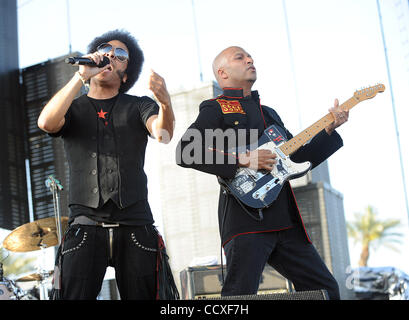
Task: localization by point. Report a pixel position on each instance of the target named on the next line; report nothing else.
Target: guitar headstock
(370, 92)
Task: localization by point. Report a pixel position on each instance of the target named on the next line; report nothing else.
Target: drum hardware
(40, 278)
(8, 289)
(41, 284)
(1, 272)
(36, 235)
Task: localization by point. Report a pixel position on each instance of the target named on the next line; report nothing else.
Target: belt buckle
(109, 225)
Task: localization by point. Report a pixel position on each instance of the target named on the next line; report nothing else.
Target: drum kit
(37, 235)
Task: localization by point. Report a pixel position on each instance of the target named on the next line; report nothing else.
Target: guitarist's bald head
(220, 61)
(233, 67)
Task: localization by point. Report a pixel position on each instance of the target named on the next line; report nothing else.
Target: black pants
(88, 250)
(286, 251)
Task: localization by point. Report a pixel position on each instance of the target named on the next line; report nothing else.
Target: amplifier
(205, 282)
(299, 295)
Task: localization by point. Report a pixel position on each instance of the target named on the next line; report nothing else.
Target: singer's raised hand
(158, 86)
(161, 126)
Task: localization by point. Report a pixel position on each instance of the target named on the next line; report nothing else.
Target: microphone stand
(55, 186)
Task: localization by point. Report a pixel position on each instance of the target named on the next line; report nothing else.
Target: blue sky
(336, 48)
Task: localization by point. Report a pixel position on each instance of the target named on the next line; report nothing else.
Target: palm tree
(372, 232)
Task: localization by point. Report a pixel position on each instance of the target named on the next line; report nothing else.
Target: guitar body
(259, 188)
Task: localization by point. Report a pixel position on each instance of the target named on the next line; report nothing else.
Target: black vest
(108, 172)
(81, 147)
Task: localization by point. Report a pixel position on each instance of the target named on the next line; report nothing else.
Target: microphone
(87, 62)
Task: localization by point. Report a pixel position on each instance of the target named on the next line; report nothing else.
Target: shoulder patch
(230, 106)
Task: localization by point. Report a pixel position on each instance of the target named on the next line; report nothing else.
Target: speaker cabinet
(300, 295)
(205, 282)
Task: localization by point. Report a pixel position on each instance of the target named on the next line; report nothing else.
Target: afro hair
(136, 57)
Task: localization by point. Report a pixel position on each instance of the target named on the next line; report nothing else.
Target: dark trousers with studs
(87, 251)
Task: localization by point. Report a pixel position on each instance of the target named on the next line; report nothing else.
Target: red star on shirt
(102, 114)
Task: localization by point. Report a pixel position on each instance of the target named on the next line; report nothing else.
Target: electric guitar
(260, 188)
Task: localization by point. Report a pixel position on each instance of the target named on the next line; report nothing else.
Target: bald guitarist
(275, 234)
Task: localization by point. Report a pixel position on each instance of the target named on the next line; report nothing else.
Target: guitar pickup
(261, 193)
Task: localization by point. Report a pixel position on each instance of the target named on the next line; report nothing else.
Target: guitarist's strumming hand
(340, 116)
(258, 159)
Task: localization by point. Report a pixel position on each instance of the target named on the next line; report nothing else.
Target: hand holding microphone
(81, 61)
(90, 65)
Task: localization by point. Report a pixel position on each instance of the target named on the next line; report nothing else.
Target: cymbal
(35, 235)
(36, 277)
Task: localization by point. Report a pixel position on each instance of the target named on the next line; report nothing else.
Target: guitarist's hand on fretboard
(340, 116)
(258, 159)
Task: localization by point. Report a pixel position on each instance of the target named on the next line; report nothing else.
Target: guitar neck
(303, 137)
